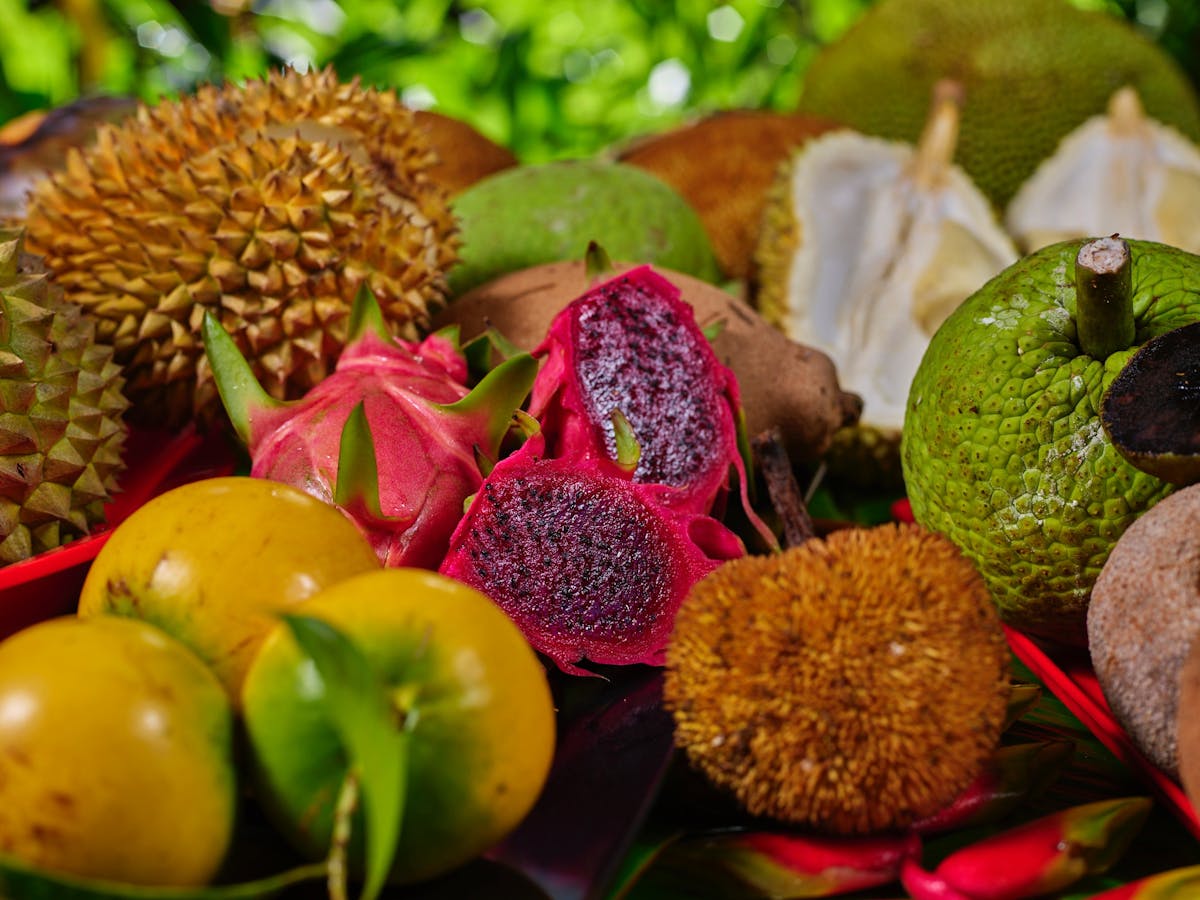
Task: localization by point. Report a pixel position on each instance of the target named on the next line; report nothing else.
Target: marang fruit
(400, 467)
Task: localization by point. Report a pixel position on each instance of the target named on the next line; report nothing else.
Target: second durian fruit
(269, 203)
(62, 433)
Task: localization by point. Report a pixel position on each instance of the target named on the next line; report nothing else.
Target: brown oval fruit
(783, 384)
(1143, 617)
(464, 154)
(729, 188)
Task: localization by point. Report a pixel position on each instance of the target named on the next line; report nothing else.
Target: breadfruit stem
(939, 138)
(1125, 112)
(1104, 297)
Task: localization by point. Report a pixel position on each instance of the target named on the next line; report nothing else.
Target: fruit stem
(783, 488)
(343, 816)
(939, 138)
(1104, 297)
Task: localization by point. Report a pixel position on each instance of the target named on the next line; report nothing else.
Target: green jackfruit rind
(1003, 449)
(529, 215)
(1032, 71)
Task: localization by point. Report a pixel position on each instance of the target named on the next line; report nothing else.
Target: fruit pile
(507, 426)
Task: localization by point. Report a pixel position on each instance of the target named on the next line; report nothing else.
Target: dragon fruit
(629, 377)
(587, 563)
(393, 437)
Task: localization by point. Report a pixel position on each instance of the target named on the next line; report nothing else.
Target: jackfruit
(1032, 70)
(867, 246)
(1116, 173)
(270, 203)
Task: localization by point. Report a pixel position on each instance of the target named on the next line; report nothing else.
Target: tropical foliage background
(548, 78)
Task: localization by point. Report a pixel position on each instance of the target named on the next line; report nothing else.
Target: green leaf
(20, 880)
(375, 742)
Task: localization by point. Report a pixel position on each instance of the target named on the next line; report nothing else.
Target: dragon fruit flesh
(392, 437)
(626, 365)
(586, 562)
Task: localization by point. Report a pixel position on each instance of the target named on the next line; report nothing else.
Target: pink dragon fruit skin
(586, 562)
(406, 483)
(631, 345)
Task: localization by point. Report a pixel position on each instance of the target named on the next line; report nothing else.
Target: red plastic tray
(48, 584)
(1069, 675)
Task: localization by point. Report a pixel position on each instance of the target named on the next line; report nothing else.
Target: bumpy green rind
(1032, 70)
(1003, 450)
(61, 404)
(535, 214)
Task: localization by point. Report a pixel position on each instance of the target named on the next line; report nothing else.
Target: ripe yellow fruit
(116, 754)
(214, 561)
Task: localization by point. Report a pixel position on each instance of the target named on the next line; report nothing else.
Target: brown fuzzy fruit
(1143, 617)
(783, 384)
(852, 684)
(723, 165)
(464, 155)
(1188, 719)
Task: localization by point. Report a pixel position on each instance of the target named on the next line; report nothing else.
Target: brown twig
(782, 487)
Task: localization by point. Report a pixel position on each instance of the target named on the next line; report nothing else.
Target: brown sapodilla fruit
(723, 164)
(782, 383)
(1143, 617)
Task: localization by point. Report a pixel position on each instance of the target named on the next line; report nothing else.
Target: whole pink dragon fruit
(586, 562)
(393, 436)
(629, 377)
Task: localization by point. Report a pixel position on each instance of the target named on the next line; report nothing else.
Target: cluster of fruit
(373, 322)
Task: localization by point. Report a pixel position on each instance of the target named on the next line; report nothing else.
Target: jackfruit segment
(875, 244)
(1118, 173)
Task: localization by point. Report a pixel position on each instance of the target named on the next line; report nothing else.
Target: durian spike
(11, 242)
(939, 138)
(1126, 115)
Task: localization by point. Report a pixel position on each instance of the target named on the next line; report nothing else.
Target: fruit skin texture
(533, 214)
(470, 692)
(1031, 70)
(589, 564)
(213, 562)
(116, 754)
(62, 411)
(269, 203)
(782, 383)
(1003, 450)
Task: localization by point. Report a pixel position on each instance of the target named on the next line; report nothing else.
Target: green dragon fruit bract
(588, 563)
(629, 378)
(392, 436)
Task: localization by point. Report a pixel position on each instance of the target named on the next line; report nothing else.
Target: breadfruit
(1032, 71)
(61, 412)
(269, 203)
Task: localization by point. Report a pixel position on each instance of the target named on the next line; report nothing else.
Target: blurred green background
(548, 78)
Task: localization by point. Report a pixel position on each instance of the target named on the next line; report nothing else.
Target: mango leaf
(375, 743)
(20, 880)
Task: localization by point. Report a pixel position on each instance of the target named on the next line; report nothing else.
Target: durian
(867, 246)
(1031, 70)
(62, 432)
(1121, 172)
(269, 203)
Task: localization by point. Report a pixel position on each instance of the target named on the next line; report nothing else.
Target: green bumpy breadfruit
(529, 215)
(1003, 450)
(61, 406)
(1032, 70)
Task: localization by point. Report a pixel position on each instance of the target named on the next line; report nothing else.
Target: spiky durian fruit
(269, 203)
(867, 245)
(61, 409)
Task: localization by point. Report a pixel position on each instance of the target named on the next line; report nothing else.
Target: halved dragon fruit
(629, 377)
(393, 436)
(586, 562)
